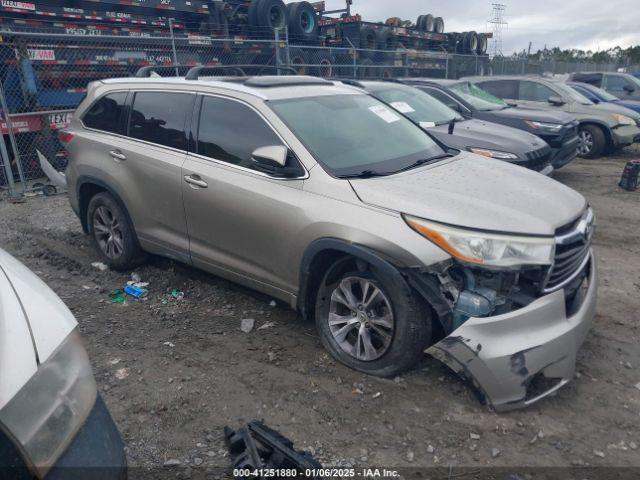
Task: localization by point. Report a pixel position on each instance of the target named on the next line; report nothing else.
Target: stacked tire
(267, 15)
(429, 23)
(302, 21)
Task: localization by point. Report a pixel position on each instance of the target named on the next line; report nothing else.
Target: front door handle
(118, 155)
(195, 180)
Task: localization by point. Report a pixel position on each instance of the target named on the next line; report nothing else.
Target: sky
(582, 24)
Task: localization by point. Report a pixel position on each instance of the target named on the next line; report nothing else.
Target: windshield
(479, 98)
(417, 105)
(567, 91)
(351, 134)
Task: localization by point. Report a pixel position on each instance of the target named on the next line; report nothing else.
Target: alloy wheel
(360, 319)
(586, 142)
(108, 233)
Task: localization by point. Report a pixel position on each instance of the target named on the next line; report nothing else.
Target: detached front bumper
(566, 153)
(518, 358)
(625, 135)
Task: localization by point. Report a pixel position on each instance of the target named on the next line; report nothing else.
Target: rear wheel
(112, 233)
(369, 323)
(592, 141)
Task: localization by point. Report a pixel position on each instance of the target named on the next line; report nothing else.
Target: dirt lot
(174, 372)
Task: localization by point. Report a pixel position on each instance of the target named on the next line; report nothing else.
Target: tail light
(65, 136)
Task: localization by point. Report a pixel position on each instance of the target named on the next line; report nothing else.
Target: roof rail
(146, 72)
(286, 81)
(195, 72)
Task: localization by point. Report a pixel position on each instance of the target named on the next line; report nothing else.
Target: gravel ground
(175, 371)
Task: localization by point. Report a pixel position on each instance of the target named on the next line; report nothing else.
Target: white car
(53, 422)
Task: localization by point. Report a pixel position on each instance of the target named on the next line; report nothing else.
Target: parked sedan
(451, 129)
(558, 129)
(598, 95)
(53, 422)
(622, 85)
(602, 128)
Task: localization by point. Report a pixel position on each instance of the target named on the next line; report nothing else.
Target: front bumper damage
(517, 358)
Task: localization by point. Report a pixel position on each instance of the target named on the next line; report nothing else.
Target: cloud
(583, 24)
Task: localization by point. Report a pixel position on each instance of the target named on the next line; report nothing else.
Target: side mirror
(273, 156)
(556, 101)
(272, 159)
(629, 89)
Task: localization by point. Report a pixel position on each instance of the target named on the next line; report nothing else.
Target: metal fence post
(276, 34)
(173, 46)
(12, 138)
(355, 60)
(6, 161)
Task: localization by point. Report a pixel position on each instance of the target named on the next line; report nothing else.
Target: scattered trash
(177, 294)
(197, 461)
(58, 179)
(117, 296)
(430, 449)
(638, 385)
(114, 361)
(410, 456)
(495, 453)
(86, 287)
(169, 344)
(172, 462)
(247, 324)
(272, 303)
(376, 395)
(599, 453)
(122, 373)
(135, 278)
(633, 445)
(135, 292)
(100, 266)
(266, 325)
(256, 447)
(474, 436)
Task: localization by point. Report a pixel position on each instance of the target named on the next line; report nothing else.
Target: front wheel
(592, 141)
(371, 324)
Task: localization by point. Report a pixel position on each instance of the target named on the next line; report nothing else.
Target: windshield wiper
(365, 174)
(424, 161)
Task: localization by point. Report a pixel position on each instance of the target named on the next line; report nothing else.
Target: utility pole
(498, 23)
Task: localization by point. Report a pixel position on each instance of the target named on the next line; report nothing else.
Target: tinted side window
(106, 113)
(159, 117)
(534, 92)
(443, 98)
(501, 88)
(230, 131)
(615, 82)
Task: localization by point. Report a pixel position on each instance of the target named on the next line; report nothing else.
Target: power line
(498, 23)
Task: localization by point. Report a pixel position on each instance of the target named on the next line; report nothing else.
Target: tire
(125, 252)
(298, 60)
(326, 68)
(302, 21)
(386, 39)
(268, 13)
(470, 42)
(368, 41)
(420, 22)
(396, 324)
(438, 25)
(483, 43)
(428, 23)
(592, 141)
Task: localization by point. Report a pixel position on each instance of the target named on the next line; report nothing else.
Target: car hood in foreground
(479, 193)
(481, 134)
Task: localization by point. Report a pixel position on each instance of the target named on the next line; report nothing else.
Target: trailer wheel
(482, 44)
(419, 22)
(428, 23)
(368, 41)
(298, 61)
(438, 25)
(268, 13)
(470, 42)
(386, 39)
(325, 65)
(303, 20)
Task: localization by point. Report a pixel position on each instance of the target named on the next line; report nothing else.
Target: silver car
(323, 197)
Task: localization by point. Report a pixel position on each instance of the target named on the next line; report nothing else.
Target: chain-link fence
(524, 66)
(44, 72)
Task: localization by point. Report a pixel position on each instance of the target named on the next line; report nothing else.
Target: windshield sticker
(384, 113)
(403, 107)
(427, 124)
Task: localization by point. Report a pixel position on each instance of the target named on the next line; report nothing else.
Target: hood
(523, 113)
(481, 134)
(617, 108)
(47, 317)
(478, 193)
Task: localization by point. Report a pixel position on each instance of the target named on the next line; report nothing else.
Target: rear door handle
(196, 181)
(118, 155)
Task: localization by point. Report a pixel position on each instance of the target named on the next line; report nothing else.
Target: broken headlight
(486, 248)
(45, 415)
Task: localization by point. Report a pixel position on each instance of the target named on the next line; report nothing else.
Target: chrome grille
(573, 244)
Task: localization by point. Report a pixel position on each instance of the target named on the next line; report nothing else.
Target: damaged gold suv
(321, 196)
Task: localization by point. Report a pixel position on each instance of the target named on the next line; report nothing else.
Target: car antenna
(452, 126)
